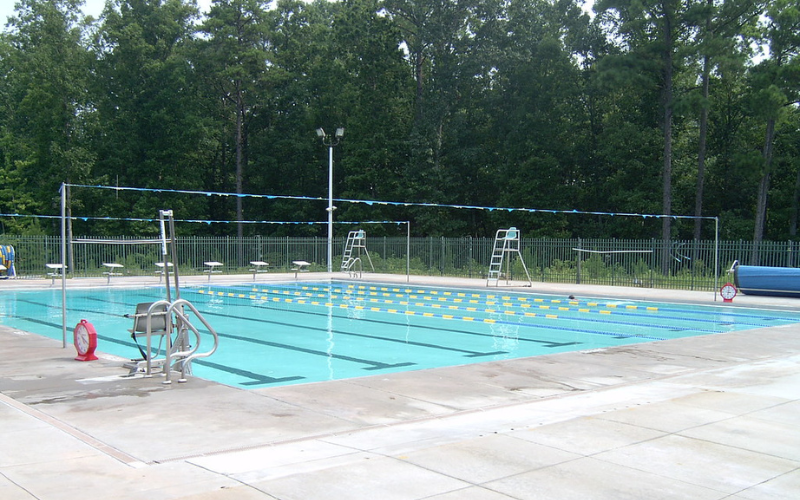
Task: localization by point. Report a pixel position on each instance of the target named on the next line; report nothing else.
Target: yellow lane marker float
(408, 312)
(521, 300)
(360, 292)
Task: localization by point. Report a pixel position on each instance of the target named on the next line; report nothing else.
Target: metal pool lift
(506, 244)
(164, 318)
(351, 257)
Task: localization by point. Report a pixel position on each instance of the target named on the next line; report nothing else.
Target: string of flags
(345, 200)
(207, 221)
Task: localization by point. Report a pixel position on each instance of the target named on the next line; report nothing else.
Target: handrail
(149, 331)
(353, 272)
(191, 354)
(183, 324)
(350, 264)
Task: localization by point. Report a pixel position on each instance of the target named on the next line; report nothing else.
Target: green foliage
(524, 103)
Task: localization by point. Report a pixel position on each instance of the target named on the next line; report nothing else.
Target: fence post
(441, 257)
(469, 256)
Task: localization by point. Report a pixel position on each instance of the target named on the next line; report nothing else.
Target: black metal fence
(649, 263)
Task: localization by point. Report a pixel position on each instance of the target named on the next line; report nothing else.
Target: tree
(534, 101)
(235, 60)
(776, 82)
(148, 131)
(438, 37)
(654, 31)
(722, 41)
(45, 78)
(377, 90)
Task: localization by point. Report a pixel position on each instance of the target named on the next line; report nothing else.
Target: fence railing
(648, 263)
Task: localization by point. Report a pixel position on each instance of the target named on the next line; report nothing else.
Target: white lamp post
(330, 141)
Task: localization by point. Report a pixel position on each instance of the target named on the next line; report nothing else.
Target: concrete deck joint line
(72, 431)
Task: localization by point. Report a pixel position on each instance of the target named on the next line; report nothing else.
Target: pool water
(288, 333)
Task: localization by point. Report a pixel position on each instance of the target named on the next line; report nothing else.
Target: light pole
(330, 141)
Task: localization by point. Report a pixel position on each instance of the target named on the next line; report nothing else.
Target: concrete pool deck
(708, 417)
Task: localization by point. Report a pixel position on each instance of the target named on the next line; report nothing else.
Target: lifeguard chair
(354, 247)
(506, 245)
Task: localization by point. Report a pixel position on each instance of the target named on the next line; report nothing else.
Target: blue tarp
(763, 280)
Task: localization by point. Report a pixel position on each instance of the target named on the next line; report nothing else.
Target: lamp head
(339, 132)
(321, 133)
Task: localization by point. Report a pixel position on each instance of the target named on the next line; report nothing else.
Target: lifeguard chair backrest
(512, 234)
(158, 318)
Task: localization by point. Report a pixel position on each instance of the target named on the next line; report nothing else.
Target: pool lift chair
(351, 257)
(165, 319)
(148, 320)
(506, 245)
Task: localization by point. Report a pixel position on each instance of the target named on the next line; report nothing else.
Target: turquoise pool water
(289, 333)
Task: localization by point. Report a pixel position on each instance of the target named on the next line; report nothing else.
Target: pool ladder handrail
(186, 356)
(353, 270)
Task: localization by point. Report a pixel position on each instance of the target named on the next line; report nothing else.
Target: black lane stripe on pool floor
(548, 326)
(372, 365)
(377, 364)
(467, 353)
(544, 343)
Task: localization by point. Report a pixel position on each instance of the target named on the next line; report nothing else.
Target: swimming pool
(286, 333)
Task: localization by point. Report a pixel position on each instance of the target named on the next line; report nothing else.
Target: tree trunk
(795, 204)
(419, 61)
(666, 222)
(239, 155)
(763, 192)
(701, 147)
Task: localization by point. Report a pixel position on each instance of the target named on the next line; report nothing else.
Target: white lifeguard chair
(506, 245)
(355, 245)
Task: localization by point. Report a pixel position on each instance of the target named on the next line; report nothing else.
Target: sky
(93, 7)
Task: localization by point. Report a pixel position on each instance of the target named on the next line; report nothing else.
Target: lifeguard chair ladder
(353, 247)
(506, 243)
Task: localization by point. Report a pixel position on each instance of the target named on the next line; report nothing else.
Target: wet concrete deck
(712, 417)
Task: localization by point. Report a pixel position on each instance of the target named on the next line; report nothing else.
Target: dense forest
(685, 107)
